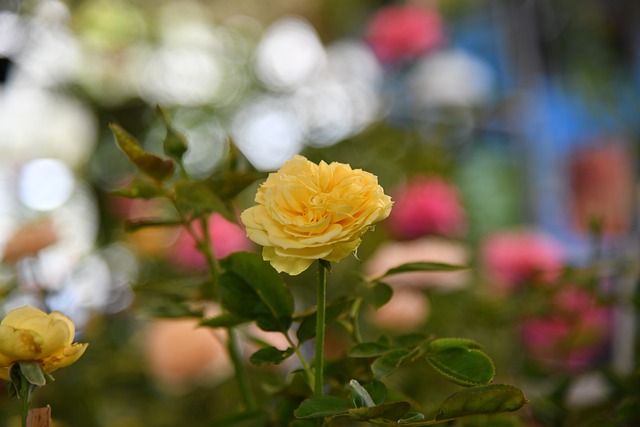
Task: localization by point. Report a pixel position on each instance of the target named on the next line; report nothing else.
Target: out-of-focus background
(506, 130)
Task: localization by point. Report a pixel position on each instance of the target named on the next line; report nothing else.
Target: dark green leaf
(421, 266)
(368, 349)
(251, 288)
(377, 390)
(410, 340)
(32, 372)
(334, 310)
(388, 411)
(445, 343)
(175, 142)
(140, 189)
(411, 417)
(322, 406)
(467, 367)
(224, 320)
(388, 363)
(270, 356)
(150, 164)
(137, 224)
(379, 294)
(489, 399)
(195, 198)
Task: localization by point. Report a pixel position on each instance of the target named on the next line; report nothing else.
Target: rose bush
(30, 335)
(309, 211)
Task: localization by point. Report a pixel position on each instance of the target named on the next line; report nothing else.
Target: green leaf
(411, 417)
(32, 372)
(379, 294)
(420, 266)
(368, 349)
(445, 343)
(322, 406)
(175, 142)
(377, 390)
(150, 164)
(137, 224)
(229, 184)
(388, 363)
(197, 199)
(140, 189)
(334, 310)
(463, 366)
(224, 320)
(489, 399)
(388, 411)
(270, 356)
(253, 289)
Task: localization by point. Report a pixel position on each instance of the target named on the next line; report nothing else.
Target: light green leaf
(150, 164)
(251, 288)
(140, 189)
(270, 356)
(322, 406)
(444, 343)
(420, 266)
(32, 372)
(467, 367)
(489, 399)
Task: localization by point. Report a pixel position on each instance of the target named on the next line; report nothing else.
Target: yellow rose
(307, 212)
(30, 335)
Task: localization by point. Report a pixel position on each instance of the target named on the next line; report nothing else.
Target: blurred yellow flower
(307, 212)
(30, 335)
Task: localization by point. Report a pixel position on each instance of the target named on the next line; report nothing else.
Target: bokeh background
(506, 130)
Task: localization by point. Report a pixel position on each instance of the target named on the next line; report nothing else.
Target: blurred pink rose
(226, 238)
(426, 205)
(572, 335)
(179, 352)
(432, 249)
(404, 32)
(408, 309)
(512, 258)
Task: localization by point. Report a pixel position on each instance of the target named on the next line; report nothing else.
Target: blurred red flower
(426, 205)
(513, 258)
(404, 32)
(571, 335)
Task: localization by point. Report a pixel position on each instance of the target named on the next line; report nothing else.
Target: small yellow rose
(30, 335)
(307, 212)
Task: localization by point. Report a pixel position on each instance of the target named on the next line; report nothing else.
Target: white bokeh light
(45, 184)
(289, 55)
(268, 133)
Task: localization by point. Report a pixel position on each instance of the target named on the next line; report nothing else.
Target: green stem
(241, 374)
(25, 397)
(320, 328)
(207, 251)
(305, 364)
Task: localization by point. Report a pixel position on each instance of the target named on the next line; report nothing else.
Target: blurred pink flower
(512, 258)
(572, 335)
(226, 238)
(433, 249)
(179, 352)
(404, 32)
(408, 309)
(426, 205)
